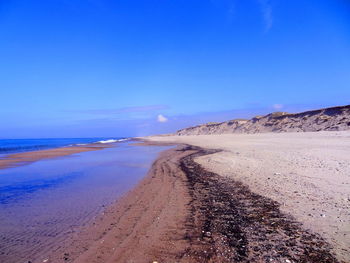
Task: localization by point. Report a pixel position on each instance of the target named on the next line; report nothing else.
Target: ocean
(24, 145)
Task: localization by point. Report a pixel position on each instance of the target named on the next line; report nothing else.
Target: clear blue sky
(71, 68)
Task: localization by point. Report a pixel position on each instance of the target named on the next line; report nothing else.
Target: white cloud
(277, 106)
(266, 11)
(162, 118)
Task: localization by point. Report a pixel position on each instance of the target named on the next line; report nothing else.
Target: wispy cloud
(264, 5)
(277, 106)
(266, 11)
(135, 109)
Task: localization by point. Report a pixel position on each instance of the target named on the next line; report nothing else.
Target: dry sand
(307, 173)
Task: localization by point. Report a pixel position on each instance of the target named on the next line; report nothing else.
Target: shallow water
(41, 203)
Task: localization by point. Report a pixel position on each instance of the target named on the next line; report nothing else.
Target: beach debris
(155, 261)
(46, 260)
(239, 222)
(323, 215)
(66, 256)
(277, 174)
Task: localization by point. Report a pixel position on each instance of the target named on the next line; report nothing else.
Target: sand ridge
(16, 159)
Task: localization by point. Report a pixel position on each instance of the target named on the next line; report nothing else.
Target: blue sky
(71, 68)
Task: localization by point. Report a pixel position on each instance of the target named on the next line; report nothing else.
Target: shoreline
(181, 212)
(17, 159)
(140, 226)
(41, 214)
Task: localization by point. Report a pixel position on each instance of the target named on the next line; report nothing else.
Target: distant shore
(230, 198)
(16, 159)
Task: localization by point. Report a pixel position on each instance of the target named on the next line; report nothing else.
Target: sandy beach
(229, 198)
(307, 174)
(222, 198)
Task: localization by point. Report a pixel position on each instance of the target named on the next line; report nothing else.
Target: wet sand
(13, 160)
(182, 212)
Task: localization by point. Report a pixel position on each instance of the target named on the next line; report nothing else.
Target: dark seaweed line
(229, 223)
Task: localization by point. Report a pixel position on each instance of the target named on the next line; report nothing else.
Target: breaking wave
(112, 140)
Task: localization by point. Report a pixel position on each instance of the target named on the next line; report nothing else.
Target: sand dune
(328, 119)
